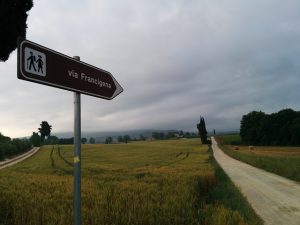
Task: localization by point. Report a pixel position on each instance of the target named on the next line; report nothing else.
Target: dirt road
(275, 199)
(19, 158)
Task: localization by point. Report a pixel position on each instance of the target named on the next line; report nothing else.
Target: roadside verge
(19, 158)
(274, 198)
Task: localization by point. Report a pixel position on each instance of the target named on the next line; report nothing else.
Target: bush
(35, 139)
(10, 147)
(1, 153)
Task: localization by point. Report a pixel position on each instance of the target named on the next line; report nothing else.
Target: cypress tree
(199, 128)
(202, 130)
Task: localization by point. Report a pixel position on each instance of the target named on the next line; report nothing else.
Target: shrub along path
(19, 158)
(274, 198)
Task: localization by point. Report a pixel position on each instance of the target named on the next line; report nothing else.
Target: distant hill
(101, 136)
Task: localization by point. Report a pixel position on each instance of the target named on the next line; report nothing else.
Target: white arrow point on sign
(118, 90)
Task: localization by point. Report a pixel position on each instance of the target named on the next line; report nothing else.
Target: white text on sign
(86, 78)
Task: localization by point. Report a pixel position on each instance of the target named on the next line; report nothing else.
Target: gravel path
(275, 199)
(10, 162)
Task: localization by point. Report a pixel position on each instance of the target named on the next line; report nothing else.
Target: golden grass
(271, 151)
(284, 160)
(163, 182)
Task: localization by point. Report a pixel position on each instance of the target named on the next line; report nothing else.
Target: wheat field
(159, 182)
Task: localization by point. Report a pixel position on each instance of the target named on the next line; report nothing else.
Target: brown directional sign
(45, 66)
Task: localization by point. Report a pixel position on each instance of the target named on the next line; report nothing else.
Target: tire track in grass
(64, 159)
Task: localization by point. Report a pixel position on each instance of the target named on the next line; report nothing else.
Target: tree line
(10, 147)
(173, 135)
(155, 135)
(280, 128)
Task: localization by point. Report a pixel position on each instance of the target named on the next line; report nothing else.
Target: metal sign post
(42, 65)
(77, 157)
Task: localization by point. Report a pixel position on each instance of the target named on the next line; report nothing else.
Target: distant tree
(66, 141)
(285, 119)
(181, 133)
(4, 139)
(202, 131)
(108, 140)
(199, 127)
(281, 128)
(155, 135)
(12, 147)
(187, 135)
(9, 149)
(92, 140)
(13, 16)
(194, 135)
(21, 145)
(170, 135)
(127, 138)
(120, 139)
(52, 140)
(45, 129)
(35, 139)
(159, 135)
(142, 137)
(295, 130)
(2, 156)
(83, 140)
(249, 130)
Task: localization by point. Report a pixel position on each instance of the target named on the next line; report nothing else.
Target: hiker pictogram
(35, 62)
(31, 61)
(40, 64)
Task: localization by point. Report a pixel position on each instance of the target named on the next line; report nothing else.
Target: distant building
(150, 139)
(178, 135)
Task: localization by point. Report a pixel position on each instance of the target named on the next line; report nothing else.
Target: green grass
(161, 182)
(278, 160)
(230, 139)
(227, 193)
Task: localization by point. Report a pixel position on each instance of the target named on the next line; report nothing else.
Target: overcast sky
(176, 60)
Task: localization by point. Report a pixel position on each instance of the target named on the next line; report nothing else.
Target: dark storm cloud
(176, 60)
